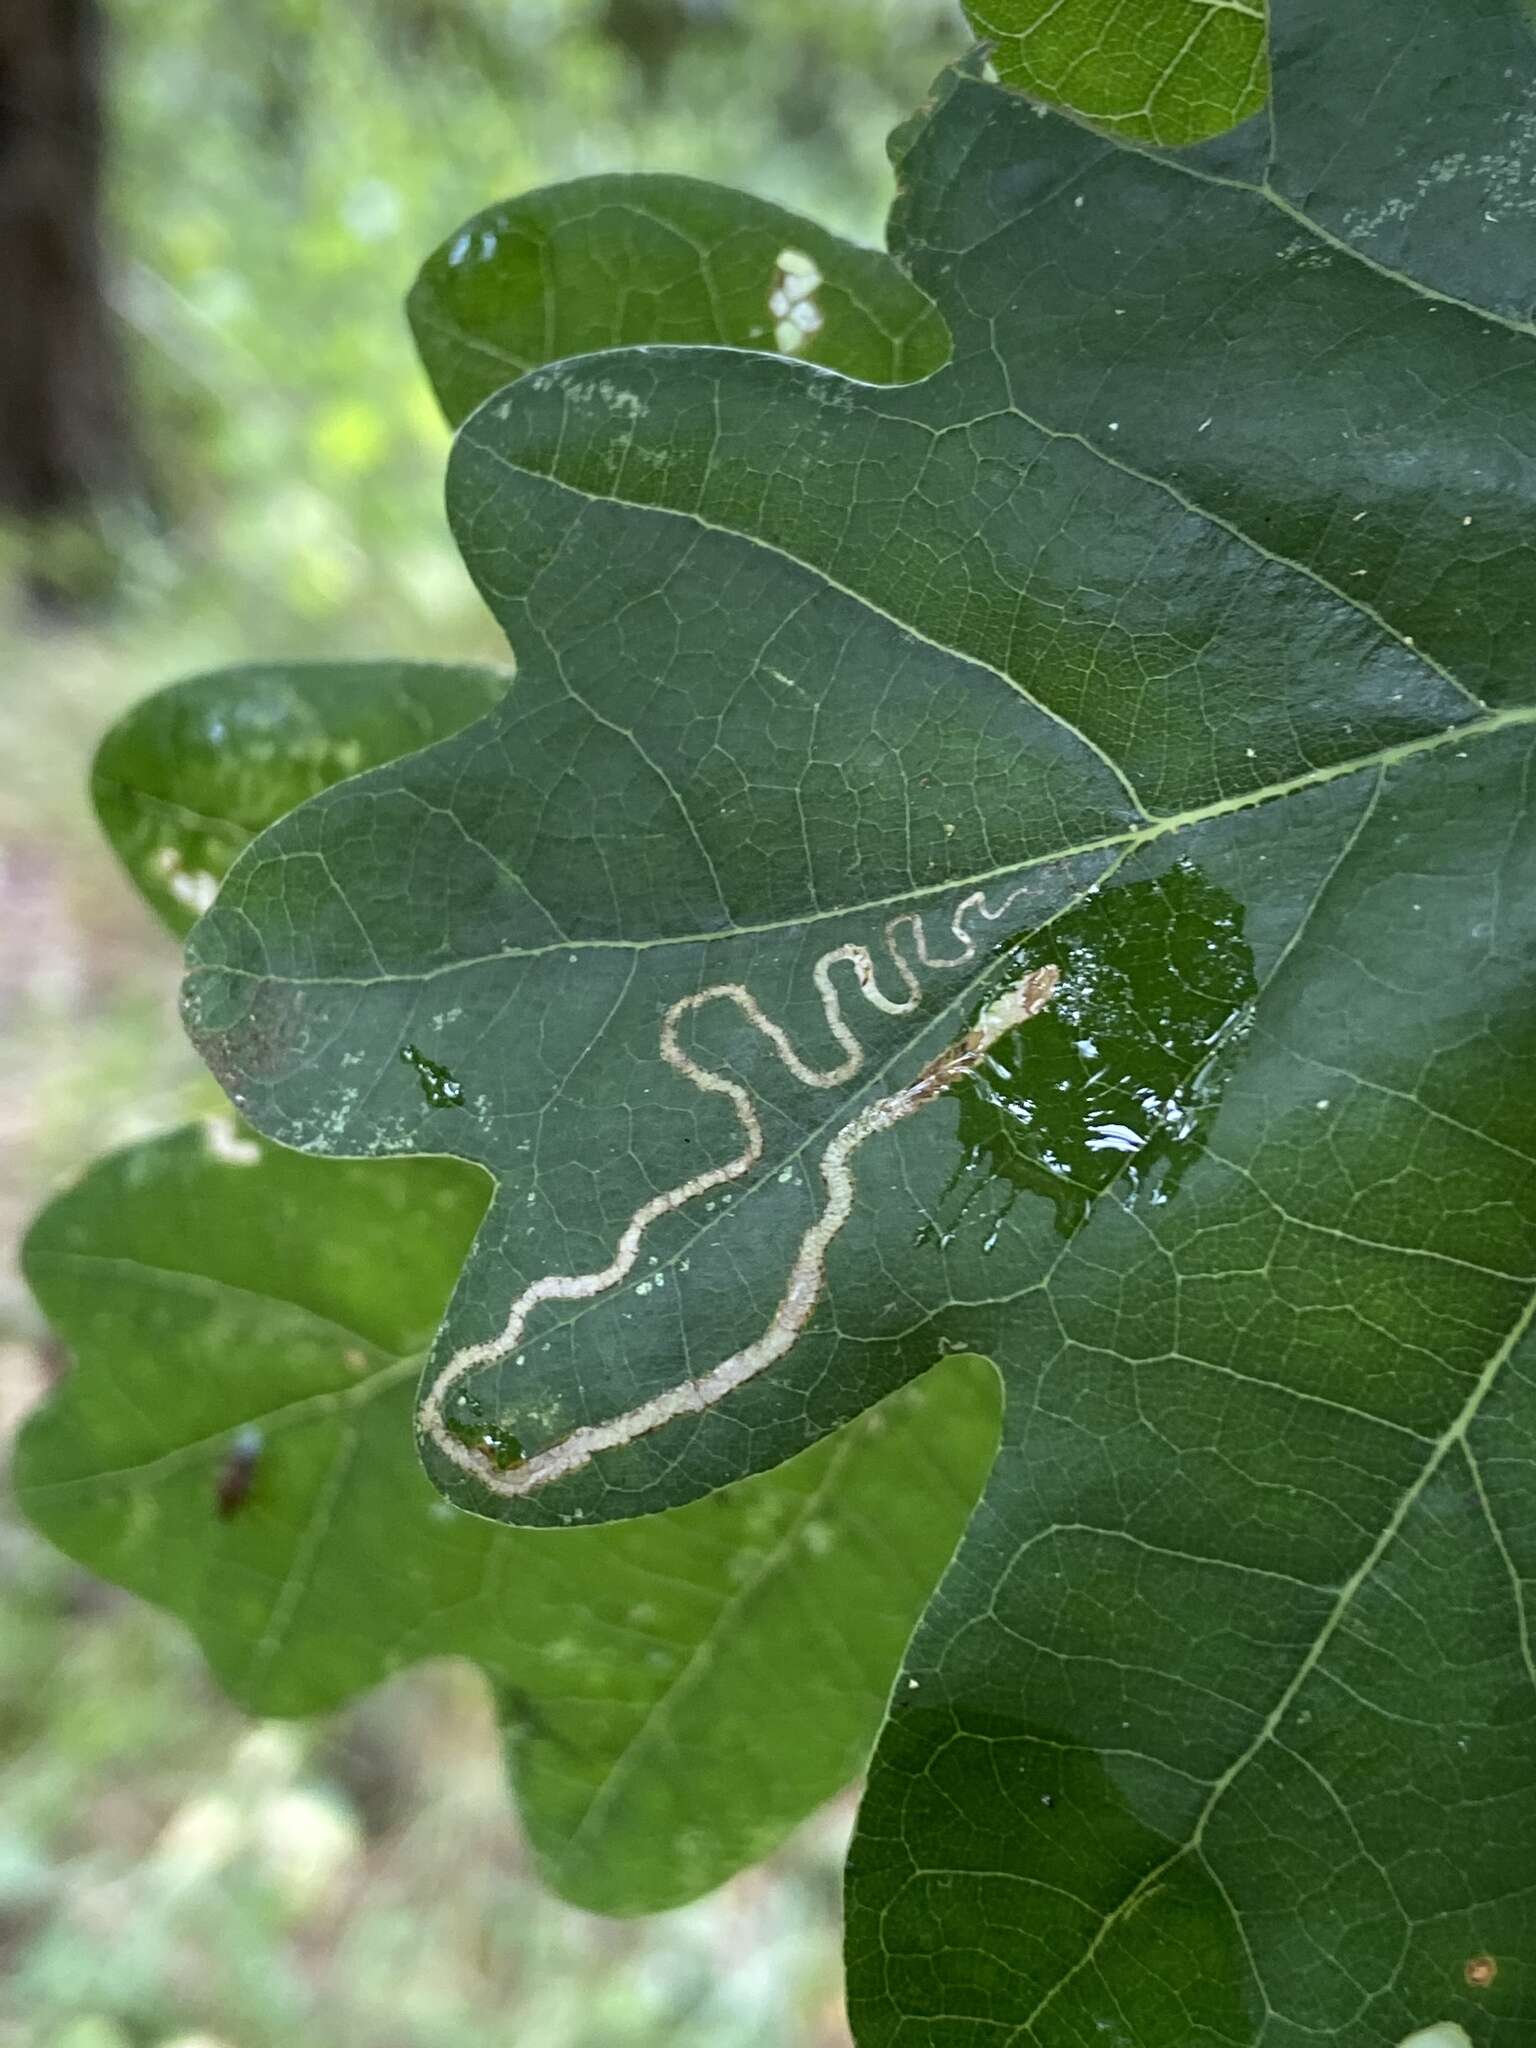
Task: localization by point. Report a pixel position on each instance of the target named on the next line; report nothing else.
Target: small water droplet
(438, 1085)
(467, 1417)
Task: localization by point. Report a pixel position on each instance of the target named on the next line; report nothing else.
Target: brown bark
(63, 426)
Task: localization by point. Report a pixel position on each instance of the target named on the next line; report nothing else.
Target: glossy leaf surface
(185, 778)
(1186, 617)
(234, 1443)
(602, 261)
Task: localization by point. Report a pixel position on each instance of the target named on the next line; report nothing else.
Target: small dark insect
(232, 1488)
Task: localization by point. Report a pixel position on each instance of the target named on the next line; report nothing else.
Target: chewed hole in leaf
(792, 300)
(1119, 1078)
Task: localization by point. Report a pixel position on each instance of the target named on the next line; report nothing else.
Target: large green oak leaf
(1175, 635)
(234, 1442)
(599, 262)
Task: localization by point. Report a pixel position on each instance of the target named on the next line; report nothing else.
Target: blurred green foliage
(283, 167)
(172, 1874)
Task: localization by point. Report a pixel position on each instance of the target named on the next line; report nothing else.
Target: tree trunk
(64, 437)
(650, 33)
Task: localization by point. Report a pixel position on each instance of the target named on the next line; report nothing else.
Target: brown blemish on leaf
(1481, 1971)
(262, 1042)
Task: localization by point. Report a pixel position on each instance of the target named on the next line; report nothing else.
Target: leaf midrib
(289, 1414)
(175, 807)
(1126, 843)
(303, 1560)
(652, 1726)
(882, 1071)
(1450, 1439)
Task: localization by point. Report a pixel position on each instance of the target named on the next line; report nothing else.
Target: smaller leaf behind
(188, 776)
(235, 1444)
(1163, 71)
(605, 262)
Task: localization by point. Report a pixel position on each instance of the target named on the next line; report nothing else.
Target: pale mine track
(1022, 1000)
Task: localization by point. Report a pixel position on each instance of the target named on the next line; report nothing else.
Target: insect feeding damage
(1022, 1000)
(792, 300)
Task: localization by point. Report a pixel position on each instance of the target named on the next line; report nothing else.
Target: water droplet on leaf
(439, 1086)
(1120, 1076)
(467, 1417)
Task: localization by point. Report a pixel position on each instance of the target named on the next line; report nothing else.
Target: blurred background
(215, 444)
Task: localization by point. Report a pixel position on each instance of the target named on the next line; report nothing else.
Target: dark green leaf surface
(1186, 615)
(1164, 71)
(679, 1692)
(185, 778)
(603, 261)
(1406, 128)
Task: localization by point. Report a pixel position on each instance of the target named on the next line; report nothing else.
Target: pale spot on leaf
(792, 300)
(225, 1143)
